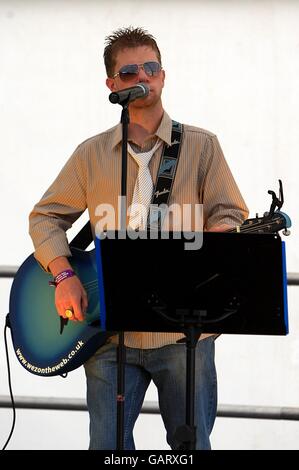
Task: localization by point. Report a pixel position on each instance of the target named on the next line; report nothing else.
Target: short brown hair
(123, 38)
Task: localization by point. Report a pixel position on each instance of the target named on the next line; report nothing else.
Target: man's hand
(69, 294)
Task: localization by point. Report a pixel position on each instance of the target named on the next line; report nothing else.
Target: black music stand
(246, 271)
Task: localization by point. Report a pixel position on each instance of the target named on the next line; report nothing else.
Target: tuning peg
(286, 232)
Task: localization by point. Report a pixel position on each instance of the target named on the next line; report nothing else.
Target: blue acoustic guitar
(44, 343)
(47, 345)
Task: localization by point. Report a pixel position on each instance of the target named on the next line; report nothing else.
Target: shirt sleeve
(220, 195)
(60, 206)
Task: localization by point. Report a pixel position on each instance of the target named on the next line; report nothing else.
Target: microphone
(129, 94)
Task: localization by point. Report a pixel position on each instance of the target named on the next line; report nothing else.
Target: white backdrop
(232, 68)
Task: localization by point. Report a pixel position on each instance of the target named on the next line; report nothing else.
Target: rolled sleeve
(58, 209)
(222, 200)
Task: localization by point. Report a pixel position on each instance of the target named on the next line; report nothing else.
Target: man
(92, 177)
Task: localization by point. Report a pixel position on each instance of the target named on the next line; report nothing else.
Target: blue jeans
(166, 366)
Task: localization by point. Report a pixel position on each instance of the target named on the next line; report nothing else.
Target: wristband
(61, 277)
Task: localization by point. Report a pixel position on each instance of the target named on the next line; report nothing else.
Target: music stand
(248, 272)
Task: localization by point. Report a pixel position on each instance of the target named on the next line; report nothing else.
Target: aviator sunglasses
(130, 71)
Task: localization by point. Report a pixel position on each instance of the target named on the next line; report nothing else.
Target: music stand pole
(186, 434)
(121, 350)
(192, 336)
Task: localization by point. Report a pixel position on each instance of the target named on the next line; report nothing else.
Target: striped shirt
(92, 176)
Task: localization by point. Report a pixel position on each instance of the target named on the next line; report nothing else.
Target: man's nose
(142, 76)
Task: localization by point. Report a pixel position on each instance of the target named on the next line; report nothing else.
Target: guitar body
(44, 343)
(47, 345)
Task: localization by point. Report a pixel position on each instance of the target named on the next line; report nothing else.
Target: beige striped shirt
(92, 176)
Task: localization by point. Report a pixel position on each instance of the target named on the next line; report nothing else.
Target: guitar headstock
(267, 224)
(272, 221)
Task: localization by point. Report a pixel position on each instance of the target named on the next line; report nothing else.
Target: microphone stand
(121, 350)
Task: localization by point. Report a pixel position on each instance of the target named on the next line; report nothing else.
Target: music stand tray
(235, 283)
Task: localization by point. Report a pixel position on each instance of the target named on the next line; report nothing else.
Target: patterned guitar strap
(165, 178)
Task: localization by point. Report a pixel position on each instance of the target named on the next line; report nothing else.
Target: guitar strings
(252, 227)
(90, 283)
(91, 288)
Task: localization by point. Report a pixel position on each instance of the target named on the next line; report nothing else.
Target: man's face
(138, 55)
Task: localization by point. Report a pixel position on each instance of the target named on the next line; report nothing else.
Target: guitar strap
(165, 178)
(162, 190)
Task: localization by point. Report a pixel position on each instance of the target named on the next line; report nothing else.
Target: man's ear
(163, 77)
(110, 82)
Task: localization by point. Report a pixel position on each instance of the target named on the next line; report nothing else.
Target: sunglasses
(128, 72)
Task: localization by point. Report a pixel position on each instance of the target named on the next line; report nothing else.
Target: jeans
(166, 366)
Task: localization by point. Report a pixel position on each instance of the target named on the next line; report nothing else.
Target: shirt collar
(163, 131)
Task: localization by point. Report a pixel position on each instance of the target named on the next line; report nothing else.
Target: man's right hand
(69, 293)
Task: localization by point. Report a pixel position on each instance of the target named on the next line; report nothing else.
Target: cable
(9, 384)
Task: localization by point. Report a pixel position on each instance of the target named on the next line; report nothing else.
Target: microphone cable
(7, 325)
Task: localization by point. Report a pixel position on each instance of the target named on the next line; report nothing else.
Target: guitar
(47, 345)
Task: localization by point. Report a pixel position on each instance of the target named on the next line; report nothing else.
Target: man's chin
(145, 102)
